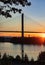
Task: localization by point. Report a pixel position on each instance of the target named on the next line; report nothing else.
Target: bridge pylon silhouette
(22, 46)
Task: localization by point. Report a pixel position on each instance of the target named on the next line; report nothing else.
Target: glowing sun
(43, 35)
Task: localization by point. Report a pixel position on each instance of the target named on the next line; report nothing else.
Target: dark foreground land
(10, 60)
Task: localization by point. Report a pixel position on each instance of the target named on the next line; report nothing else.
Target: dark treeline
(10, 60)
(29, 40)
(26, 40)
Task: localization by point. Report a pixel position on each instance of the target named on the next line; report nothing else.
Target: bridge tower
(22, 46)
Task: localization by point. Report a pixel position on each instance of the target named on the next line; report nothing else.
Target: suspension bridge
(22, 20)
(22, 28)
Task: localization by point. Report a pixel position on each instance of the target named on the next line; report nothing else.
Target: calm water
(14, 50)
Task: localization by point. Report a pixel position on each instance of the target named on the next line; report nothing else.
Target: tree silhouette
(41, 57)
(18, 57)
(26, 58)
(32, 60)
(0, 55)
(8, 7)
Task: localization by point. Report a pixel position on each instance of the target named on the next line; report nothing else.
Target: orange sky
(25, 34)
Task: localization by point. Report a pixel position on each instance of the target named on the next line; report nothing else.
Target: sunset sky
(34, 18)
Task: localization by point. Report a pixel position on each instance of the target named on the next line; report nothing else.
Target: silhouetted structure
(22, 47)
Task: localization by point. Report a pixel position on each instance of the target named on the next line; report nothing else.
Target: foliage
(10, 5)
(10, 60)
(41, 57)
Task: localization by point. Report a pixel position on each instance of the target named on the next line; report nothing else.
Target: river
(32, 51)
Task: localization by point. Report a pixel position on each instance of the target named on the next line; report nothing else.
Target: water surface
(32, 51)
